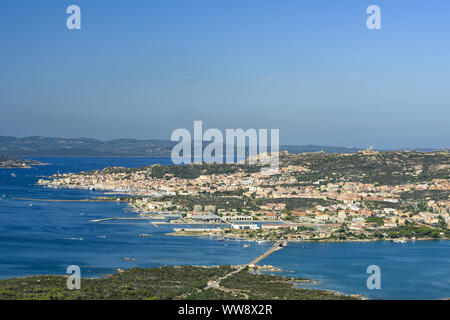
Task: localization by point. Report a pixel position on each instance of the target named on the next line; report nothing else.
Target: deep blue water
(47, 237)
(419, 270)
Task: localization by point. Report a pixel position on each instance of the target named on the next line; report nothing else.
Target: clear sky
(140, 69)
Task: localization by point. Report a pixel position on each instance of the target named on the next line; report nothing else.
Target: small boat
(13, 175)
(129, 259)
(31, 204)
(400, 241)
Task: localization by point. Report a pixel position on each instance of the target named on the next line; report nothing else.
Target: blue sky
(140, 69)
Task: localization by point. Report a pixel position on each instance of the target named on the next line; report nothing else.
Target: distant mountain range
(45, 146)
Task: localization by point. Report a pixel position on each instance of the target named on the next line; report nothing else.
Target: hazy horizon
(281, 143)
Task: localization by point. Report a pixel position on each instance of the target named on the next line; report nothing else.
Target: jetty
(215, 284)
(277, 246)
(60, 200)
(154, 223)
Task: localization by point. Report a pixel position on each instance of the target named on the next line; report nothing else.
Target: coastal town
(375, 195)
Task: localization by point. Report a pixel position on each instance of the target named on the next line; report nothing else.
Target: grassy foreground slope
(169, 282)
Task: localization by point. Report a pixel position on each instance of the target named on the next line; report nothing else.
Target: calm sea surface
(46, 237)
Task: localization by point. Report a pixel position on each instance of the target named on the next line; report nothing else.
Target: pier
(61, 200)
(277, 246)
(105, 220)
(215, 284)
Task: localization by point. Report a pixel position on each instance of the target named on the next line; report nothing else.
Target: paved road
(215, 284)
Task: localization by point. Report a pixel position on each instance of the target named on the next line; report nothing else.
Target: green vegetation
(411, 231)
(381, 168)
(169, 282)
(408, 231)
(265, 286)
(377, 205)
(297, 203)
(213, 294)
(376, 220)
(242, 203)
(436, 195)
(136, 283)
(193, 171)
(189, 171)
(227, 203)
(9, 162)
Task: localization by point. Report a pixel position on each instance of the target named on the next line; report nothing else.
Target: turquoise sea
(46, 237)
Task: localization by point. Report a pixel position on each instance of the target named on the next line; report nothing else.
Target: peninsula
(169, 283)
(7, 162)
(362, 196)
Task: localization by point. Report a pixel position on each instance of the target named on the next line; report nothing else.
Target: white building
(242, 226)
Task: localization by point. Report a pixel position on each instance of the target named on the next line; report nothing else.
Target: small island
(7, 162)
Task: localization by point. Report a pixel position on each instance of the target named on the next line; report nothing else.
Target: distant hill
(66, 147)
(45, 146)
(313, 148)
(375, 167)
